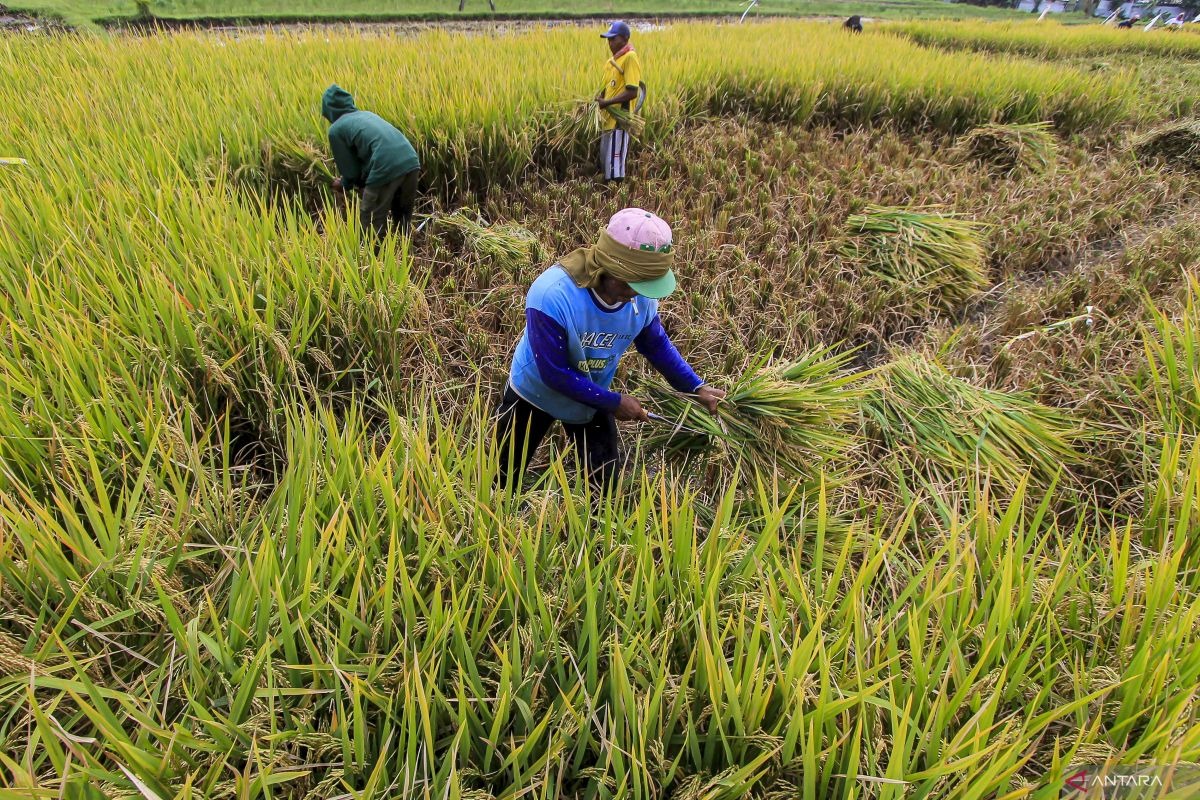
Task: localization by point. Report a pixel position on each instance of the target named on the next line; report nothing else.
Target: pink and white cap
(638, 229)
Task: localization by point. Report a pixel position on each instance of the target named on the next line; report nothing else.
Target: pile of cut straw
(919, 251)
(1012, 147)
(949, 428)
(1177, 142)
(505, 244)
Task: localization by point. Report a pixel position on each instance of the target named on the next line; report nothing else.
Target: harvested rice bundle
(951, 428)
(299, 159)
(581, 121)
(1014, 147)
(567, 128)
(919, 251)
(628, 120)
(789, 416)
(506, 244)
(1177, 142)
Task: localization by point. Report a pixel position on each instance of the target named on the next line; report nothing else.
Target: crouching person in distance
(581, 315)
(372, 155)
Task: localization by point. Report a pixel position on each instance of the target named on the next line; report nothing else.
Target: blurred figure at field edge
(622, 85)
(854, 24)
(374, 157)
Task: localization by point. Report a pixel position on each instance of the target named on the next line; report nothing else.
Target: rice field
(90, 13)
(1050, 39)
(941, 542)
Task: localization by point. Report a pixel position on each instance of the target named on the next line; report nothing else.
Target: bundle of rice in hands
(1030, 147)
(919, 251)
(628, 120)
(506, 244)
(581, 121)
(1176, 142)
(567, 128)
(791, 417)
(299, 159)
(948, 428)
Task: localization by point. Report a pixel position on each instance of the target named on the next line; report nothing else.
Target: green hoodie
(368, 149)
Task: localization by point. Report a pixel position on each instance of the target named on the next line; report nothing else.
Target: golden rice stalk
(506, 244)
(627, 120)
(949, 428)
(791, 416)
(1176, 142)
(1011, 148)
(919, 251)
(565, 128)
(297, 158)
(581, 121)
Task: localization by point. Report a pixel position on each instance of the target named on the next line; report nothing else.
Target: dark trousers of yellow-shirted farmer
(389, 204)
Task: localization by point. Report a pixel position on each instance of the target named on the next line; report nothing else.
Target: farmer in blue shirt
(581, 315)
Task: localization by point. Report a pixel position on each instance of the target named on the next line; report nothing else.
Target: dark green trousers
(395, 198)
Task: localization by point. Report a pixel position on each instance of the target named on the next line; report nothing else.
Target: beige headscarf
(588, 265)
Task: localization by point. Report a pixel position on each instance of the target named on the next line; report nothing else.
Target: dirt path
(23, 23)
(412, 27)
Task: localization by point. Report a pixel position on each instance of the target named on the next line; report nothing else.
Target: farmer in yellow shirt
(622, 83)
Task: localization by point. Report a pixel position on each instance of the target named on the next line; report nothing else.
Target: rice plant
(1177, 143)
(1172, 371)
(919, 252)
(249, 541)
(945, 427)
(790, 416)
(1011, 147)
(1047, 39)
(506, 245)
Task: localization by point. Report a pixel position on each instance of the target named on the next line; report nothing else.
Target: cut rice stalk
(790, 416)
(506, 244)
(1176, 142)
(951, 429)
(920, 251)
(1030, 147)
(628, 120)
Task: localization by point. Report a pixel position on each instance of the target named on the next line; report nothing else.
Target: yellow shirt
(620, 73)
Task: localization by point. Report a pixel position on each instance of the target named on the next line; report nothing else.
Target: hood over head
(336, 102)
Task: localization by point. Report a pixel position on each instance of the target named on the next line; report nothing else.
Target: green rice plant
(1011, 147)
(1171, 382)
(506, 245)
(1177, 143)
(791, 416)
(947, 429)
(381, 622)
(919, 252)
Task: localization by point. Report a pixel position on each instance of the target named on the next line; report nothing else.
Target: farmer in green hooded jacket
(373, 156)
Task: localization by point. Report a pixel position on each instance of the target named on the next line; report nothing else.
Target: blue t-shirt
(573, 342)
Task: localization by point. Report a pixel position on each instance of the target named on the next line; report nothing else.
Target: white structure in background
(1045, 6)
(1105, 8)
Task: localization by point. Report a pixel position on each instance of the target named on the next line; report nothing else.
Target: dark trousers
(396, 197)
(521, 427)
